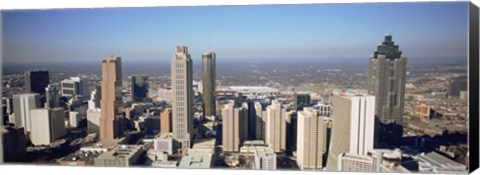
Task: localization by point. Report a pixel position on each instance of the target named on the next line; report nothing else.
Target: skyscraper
(233, 127)
(182, 106)
(14, 144)
(75, 86)
(52, 92)
(275, 127)
(353, 118)
(260, 118)
(95, 97)
(111, 102)
(139, 87)
(208, 82)
(36, 81)
(49, 125)
(291, 131)
(166, 121)
(302, 100)
(312, 139)
(457, 84)
(22, 104)
(386, 81)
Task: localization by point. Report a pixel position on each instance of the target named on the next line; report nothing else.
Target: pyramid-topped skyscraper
(386, 81)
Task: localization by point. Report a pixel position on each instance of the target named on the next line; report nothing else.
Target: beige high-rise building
(166, 121)
(353, 126)
(49, 125)
(260, 119)
(182, 106)
(22, 104)
(111, 121)
(233, 127)
(312, 139)
(275, 127)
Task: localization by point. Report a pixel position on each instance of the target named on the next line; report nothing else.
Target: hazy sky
(423, 31)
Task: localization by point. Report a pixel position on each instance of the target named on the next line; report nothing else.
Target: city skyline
(317, 31)
(375, 114)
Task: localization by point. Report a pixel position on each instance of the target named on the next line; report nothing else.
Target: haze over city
(427, 31)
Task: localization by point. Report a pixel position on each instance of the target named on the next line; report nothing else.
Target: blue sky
(320, 31)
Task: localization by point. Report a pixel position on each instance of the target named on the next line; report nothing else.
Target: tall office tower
(291, 130)
(7, 109)
(166, 121)
(353, 126)
(260, 119)
(49, 125)
(22, 104)
(232, 127)
(111, 121)
(14, 144)
(457, 84)
(75, 86)
(302, 100)
(324, 109)
(313, 139)
(36, 81)
(208, 82)
(139, 87)
(182, 85)
(93, 120)
(386, 81)
(275, 127)
(95, 96)
(52, 92)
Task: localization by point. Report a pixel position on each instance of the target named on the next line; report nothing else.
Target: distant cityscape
(379, 115)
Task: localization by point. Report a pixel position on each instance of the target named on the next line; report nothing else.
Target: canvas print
(361, 87)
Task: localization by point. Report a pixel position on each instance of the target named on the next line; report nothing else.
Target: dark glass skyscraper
(386, 81)
(139, 87)
(208, 82)
(36, 81)
(302, 100)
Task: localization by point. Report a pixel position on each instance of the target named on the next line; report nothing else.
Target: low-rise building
(265, 158)
(80, 158)
(164, 143)
(205, 144)
(434, 162)
(196, 159)
(376, 160)
(249, 146)
(120, 156)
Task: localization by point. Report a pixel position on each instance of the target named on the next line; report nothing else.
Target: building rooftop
(204, 144)
(438, 163)
(247, 89)
(123, 152)
(165, 164)
(254, 143)
(262, 151)
(81, 156)
(194, 158)
(164, 136)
